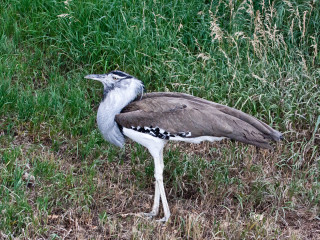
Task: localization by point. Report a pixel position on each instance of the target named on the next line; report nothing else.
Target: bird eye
(114, 78)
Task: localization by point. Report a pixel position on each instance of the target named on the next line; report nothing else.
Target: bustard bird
(155, 118)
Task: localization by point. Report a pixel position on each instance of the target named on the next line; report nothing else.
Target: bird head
(117, 80)
(110, 79)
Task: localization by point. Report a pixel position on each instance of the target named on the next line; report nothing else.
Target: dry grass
(201, 209)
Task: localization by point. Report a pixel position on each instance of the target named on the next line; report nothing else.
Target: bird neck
(115, 100)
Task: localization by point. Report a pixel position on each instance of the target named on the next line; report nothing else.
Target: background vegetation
(59, 179)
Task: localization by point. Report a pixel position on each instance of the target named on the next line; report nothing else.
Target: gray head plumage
(116, 79)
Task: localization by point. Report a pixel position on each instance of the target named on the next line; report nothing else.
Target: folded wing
(179, 113)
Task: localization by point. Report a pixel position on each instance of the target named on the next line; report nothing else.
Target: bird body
(178, 116)
(155, 118)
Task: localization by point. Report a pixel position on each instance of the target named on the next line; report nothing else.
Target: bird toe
(163, 220)
(150, 214)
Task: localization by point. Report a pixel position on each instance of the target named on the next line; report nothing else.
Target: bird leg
(159, 192)
(164, 202)
(156, 201)
(158, 174)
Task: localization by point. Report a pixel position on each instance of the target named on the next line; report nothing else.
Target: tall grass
(261, 57)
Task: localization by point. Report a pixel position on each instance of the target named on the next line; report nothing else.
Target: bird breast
(108, 127)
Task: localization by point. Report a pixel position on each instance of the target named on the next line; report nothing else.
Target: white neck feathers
(115, 100)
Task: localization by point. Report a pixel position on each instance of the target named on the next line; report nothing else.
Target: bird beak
(98, 77)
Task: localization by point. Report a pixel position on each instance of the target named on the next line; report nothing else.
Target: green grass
(261, 57)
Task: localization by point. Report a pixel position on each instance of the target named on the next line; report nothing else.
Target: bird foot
(150, 215)
(163, 220)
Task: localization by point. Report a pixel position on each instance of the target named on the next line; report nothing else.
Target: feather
(177, 112)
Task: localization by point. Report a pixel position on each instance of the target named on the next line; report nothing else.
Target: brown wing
(177, 113)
